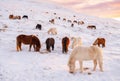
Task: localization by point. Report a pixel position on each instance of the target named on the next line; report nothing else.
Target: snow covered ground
(34, 66)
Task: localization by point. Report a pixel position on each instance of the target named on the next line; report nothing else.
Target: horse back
(86, 53)
(24, 38)
(101, 40)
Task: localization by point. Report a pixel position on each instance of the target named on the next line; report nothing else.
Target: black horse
(50, 43)
(25, 16)
(39, 26)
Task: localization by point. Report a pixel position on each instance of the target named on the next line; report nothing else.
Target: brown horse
(99, 41)
(65, 44)
(91, 27)
(28, 39)
(14, 17)
(52, 21)
(50, 43)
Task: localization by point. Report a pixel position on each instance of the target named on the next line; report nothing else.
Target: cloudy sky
(100, 8)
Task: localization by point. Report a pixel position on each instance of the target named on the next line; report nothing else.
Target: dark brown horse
(65, 44)
(39, 26)
(100, 41)
(50, 43)
(25, 16)
(91, 27)
(52, 21)
(28, 40)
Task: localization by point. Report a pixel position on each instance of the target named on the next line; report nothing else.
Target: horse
(64, 19)
(76, 42)
(72, 25)
(53, 31)
(11, 16)
(80, 22)
(74, 21)
(65, 44)
(14, 17)
(28, 40)
(58, 17)
(25, 16)
(50, 43)
(91, 27)
(52, 21)
(38, 26)
(54, 13)
(69, 21)
(100, 41)
(83, 53)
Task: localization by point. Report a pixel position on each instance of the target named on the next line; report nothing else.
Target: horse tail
(18, 43)
(100, 59)
(104, 42)
(65, 45)
(17, 46)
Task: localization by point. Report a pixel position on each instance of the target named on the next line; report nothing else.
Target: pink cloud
(101, 8)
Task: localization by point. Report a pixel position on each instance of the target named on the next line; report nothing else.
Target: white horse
(82, 53)
(76, 42)
(53, 31)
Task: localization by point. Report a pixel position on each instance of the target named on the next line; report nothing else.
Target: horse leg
(103, 45)
(66, 48)
(63, 49)
(81, 66)
(101, 65)
(95, 64)
(98, 44)
(30, 47)
(20, 46)
(52, 47)
(34, 46)
(48, 48)
(17, 46)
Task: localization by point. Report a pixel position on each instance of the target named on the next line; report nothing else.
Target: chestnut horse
(50, 43)
(28, 39)
(14, 17)
(65, 44)
(100, 41)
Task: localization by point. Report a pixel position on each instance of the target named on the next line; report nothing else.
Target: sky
(99, 8)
